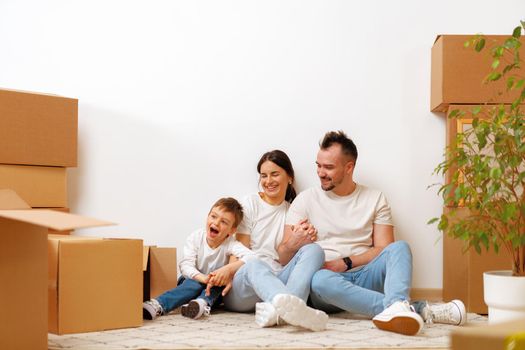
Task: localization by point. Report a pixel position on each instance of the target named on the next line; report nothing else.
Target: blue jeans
(255, 280)
(187, 289)
(370, 289)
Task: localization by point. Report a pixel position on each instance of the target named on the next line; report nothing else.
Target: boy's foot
(151, 309)
(449, 313)
(294, 311)
(266, 315)
(399, 317)
(195, 309)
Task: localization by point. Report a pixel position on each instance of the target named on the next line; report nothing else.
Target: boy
(204, 266)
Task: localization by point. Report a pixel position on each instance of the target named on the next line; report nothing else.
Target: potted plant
(486, 175)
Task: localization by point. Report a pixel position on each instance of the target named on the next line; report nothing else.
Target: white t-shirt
(198, 257)
(265, 225)
(344, 224)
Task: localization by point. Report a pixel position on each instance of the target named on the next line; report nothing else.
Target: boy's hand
(220, 277)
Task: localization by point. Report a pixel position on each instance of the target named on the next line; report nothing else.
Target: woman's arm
(295, 236)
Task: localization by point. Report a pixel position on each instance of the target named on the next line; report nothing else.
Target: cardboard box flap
(53, 219)
(10, 200)
(145, 257)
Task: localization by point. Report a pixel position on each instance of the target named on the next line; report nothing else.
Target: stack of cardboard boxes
(58, 283)
(457, 75)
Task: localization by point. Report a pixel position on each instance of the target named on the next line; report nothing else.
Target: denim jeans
(187, 289)
(369, 289)
(255, 281)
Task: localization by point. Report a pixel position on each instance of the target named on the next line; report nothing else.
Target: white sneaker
(294, 311)
(151, 309)
(399, 317)
(195, 309)
(449, 313)
(266, 315)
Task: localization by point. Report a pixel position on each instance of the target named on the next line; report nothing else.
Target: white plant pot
(504, 295)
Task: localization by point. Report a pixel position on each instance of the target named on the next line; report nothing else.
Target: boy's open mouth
(214, 231)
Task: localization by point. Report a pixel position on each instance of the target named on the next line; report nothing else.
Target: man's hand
(303, 233)
(337, 265)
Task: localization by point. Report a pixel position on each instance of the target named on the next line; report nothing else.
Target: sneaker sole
(400, 324)
(190, 310)
(262, 315)
(294, 311)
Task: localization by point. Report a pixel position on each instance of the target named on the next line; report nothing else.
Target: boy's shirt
(198, 257)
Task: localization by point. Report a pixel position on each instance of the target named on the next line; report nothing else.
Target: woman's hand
(303, 233)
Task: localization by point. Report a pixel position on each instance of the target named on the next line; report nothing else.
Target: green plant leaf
(476, 110)
(431, 221)
(517, 32)
(493, 76)
(480, 44)
(495, 63)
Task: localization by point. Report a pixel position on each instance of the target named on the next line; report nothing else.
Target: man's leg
(297, 274)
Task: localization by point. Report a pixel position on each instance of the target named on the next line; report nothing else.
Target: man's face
(219, 226)
(332, 167)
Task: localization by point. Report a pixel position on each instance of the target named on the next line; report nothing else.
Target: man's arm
(382, 235)
(295, 236)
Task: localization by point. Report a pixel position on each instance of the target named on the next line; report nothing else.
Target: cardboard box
(457, 73)
(159, 267)
(94, 284)
(41, 187)
(489, 337)
(38, 129)
(23, 269)
(463, 272)
(56, 232)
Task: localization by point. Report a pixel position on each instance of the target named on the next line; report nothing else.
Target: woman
(283, 290)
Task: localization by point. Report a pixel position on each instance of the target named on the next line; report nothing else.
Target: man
(366, 271)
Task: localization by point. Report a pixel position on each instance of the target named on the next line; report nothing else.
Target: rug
(227, 330)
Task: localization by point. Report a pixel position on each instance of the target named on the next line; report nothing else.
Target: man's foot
(195, 309)
(449, 313)
(266, 315)
(151, 309)
(294, 311)
(399, 317)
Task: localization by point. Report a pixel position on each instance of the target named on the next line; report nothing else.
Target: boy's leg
(186, 290)
(298, 273)
(214, 297)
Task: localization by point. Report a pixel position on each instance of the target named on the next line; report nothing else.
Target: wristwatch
(348, 263)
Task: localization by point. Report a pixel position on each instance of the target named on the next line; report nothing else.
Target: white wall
(178, 100)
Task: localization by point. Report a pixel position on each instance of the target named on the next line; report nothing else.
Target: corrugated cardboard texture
(489, 337)
(463, 272)
(38, 129)
(99, 284)
(23, 295)
(457, 73)
(39, 186)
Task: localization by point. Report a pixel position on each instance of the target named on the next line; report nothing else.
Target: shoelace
(443, 313)
(206, 311)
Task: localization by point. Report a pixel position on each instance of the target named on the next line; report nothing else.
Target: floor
(226, 330)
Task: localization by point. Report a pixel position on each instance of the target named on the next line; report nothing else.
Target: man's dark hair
(230, 205)
(347, 145)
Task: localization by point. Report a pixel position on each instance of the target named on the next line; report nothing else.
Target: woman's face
(274, 180)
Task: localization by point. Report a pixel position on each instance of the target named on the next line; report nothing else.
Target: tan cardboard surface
(457, 73)
(10, 200)
(39, 186)
(488, 337)
(23, 276)
(163, 270)
(463, 272)
(97, 284)
(53, 219)
(38, 129)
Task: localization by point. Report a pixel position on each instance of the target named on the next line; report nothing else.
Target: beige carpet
(226, 330)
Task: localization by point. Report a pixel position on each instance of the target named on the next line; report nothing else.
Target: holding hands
(303, 233)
